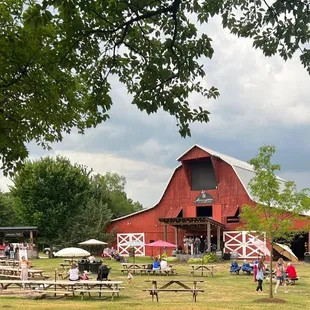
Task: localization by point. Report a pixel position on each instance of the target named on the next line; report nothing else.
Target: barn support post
(209, 236)
(308, 241)
(165, 236)
(218, 238)
(176, 236)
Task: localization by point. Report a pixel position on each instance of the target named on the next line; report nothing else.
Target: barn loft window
(202, 175)
(204, 211)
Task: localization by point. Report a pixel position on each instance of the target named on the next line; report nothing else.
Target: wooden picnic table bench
(181, 287)
(202, 269)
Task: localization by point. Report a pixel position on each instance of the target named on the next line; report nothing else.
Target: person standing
(280, 274)
(260, 276)
(185, 244)
(12, 253)
(23, 268)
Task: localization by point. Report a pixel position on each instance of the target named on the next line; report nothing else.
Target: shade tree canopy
(57, 59)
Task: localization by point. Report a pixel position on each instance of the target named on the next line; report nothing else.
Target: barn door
(242, 243)
(123, 243)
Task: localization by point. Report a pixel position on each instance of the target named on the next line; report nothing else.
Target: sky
(263, 101)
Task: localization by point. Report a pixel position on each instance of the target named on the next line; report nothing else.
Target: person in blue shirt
(156, 264)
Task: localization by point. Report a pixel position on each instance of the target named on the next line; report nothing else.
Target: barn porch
(196, 226)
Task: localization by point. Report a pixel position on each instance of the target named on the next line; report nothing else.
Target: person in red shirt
(291, 272)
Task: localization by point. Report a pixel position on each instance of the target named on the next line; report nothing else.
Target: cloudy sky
(263, 101)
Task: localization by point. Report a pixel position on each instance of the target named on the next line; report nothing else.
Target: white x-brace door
(124, 239)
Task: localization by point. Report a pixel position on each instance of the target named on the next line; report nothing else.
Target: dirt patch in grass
(270, 300)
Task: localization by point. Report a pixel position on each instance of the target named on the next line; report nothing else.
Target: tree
(110, 188)
(278, 204)
(7, 212)
(57, 59)
(49, 193)
(90, 222)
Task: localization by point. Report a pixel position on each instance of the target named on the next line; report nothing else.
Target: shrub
(194, 261)
(171, 259)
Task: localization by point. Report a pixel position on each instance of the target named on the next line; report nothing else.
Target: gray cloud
(263, 101)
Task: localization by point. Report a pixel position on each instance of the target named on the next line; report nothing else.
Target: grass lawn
(223, 291)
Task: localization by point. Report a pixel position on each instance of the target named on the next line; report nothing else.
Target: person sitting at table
(291, 273)
(103, 272)
(106, 253)
(92, 258)
(246, 267)
(156, 264)
(74, 274)
(234, 267)
(23, 267)
(164, 265)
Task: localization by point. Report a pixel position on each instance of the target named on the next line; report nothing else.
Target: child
(260, 275)
(84, 276)
(129, 277)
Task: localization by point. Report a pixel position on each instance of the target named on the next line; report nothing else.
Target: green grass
(223, 291)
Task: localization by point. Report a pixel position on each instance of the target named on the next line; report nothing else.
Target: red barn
(202, 199)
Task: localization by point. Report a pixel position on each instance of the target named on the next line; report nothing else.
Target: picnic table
(98, 287)
(66, 287)
(70, 261)
(143, 269)
(202, 269)
(11, 272)
(8, 262)
(174, 286)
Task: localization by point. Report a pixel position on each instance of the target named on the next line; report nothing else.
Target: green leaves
(57, 58)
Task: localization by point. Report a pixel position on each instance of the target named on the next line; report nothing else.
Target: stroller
(103, 273)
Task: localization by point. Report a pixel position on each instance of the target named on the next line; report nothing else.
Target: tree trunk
(271, 256)
(50, 255)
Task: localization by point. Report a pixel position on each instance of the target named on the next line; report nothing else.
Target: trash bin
(83, 265)
(234, 255)
(93, 267)
(307, 258)
(226, 256)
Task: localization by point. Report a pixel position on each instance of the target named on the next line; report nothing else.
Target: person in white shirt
(164, 265)
(74, 274)
(92, 258)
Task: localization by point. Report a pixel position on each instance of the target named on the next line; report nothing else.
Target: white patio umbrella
(134, 243)
(93, 242)
(285, 251)
(72, 252)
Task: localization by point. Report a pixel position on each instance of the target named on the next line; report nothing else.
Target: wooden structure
(202, 199)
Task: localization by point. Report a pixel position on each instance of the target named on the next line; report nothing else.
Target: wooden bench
(154, 292)
(140, 270)
(291, 281)
(172, 271)
(86, 291)
(9, 276)
(55, 292)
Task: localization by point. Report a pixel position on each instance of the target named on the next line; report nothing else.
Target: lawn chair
(234, 268)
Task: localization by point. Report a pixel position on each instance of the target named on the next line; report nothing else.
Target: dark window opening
(204, 211)
(234, 219)
(202, 175)
(151, 241)
(180, 214)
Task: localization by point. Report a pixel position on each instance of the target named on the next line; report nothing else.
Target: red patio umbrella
(161, 244)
